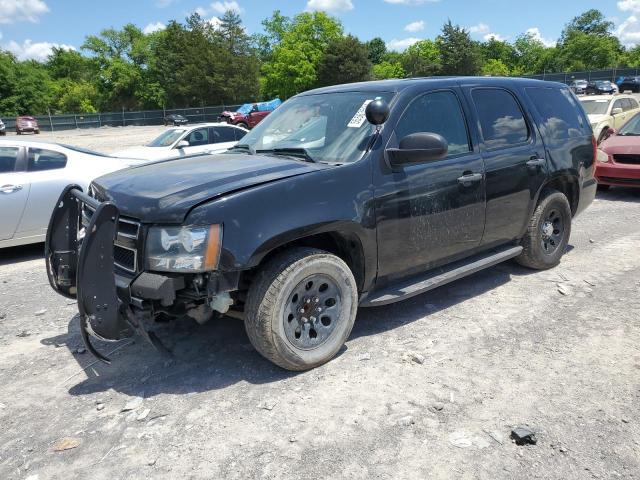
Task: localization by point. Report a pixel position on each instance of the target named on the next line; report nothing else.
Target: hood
(229, 114)
(144, 153)
(621, 144)
(165, 191)
(594, 119)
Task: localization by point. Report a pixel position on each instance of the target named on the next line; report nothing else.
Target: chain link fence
(52, 123)
(611, 74)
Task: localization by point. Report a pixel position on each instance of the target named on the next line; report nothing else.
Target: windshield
(331, 127)
(595, 107)
(166, 139)
(632, 127)
(603, 83)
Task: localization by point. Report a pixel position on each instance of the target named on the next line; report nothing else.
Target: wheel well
(345, 246)
(568, 186)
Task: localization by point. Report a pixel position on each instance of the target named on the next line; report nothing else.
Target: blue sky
(29, 28)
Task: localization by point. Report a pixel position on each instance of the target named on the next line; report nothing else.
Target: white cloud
(629, 31)
(22, 10)
(330, 5)
(537, 35)
(222, 7)
(29, 50)
(410, 2)
(154, 27)
(479, 28)
(629, 6)
(495, 36)
(402, 44)
(415, 26)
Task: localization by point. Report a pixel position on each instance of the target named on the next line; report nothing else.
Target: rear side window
(41, 159)
(634, 103)
(559, 112)
(501, 119)
(224, 134)
(440, 113)
(239, 133)
(8, 157)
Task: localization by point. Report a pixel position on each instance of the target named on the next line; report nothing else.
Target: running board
(440, 276)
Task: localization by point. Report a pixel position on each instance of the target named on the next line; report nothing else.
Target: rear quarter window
(561, 116)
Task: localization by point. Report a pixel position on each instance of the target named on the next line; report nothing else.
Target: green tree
(385, 70)
(346, 60)
(495, 68)
(530, 53)
(422, 59)
(377, 50)
(583, 51)
(294, 62)
(591, 22)
(274, 29)
(494, 49)
(459, 54)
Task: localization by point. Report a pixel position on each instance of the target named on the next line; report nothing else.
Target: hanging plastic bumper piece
(85, 269)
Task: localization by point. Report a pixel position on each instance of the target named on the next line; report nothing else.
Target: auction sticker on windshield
(358, 119)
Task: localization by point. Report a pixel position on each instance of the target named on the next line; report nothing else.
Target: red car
(27, 124)
(618, 159)
(250, 114)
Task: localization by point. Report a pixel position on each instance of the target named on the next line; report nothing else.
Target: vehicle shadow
(25, 253)
(218, 354)
(620, 194)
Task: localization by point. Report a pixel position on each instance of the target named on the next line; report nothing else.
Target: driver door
(199, 142)
(619, 119)
(431, 212)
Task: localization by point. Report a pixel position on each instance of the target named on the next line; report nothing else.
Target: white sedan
(32, 177)
(178, 142)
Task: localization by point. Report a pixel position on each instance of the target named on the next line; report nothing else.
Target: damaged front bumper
(84, 269)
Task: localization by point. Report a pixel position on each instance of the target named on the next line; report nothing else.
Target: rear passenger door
(514, 161)
(199, 141)
(621, 116)
(223, 138)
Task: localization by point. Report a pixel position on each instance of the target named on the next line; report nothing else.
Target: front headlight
(602, 156)
(184, 249)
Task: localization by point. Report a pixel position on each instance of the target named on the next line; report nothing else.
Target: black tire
(603, 188)
(538, 253)
(243, 125)
(37, 132)
(280, 289)
(18, 132)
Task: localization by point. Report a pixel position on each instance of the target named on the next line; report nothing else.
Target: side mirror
(182, 144)
(417, 148)
(610, 132)
(377, 112)
(616, 111)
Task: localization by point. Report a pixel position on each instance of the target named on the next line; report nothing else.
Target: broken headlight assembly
(192, 249)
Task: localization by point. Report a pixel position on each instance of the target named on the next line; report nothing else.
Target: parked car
(601, 87)
(26, 124)
(413, 184)
(619, 156)
(185, 141)
(250, 114)
(32, 176)
(579, 87)
(630, 84)
(609, 112)
(175, 120)
(3, 128)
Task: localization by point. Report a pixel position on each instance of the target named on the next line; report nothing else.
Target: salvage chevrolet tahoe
(346, 196)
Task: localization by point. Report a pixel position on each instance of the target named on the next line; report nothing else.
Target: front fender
(259, 219)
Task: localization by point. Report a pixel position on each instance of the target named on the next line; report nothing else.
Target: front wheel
(301, 308)
(548, 232)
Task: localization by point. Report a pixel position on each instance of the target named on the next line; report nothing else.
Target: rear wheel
(301, 308)
(548, 232)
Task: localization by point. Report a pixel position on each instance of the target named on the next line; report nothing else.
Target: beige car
(609, 111)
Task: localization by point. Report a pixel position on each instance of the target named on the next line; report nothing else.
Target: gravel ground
(428, 388)
(105, 139)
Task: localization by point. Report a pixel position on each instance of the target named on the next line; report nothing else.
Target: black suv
(630, 84)
(346, 196)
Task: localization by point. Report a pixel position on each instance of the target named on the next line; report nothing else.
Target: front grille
(632, 159)
(125, 246)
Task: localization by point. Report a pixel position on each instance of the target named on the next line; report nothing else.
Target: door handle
(536, 163)
(469, 179)
(10, 188)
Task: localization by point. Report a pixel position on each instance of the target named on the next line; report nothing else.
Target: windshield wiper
(243, 147)
(291, 152)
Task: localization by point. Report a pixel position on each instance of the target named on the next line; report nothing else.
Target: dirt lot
(429, 388)
(105, 140)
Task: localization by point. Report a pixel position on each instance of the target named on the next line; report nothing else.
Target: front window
(166, 139)
(632, 127)
(595, 107)
(329, 128)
